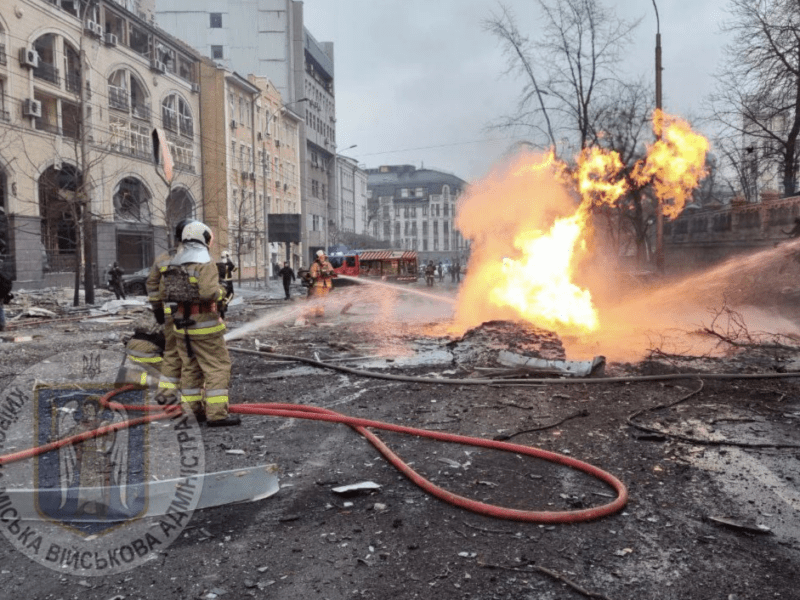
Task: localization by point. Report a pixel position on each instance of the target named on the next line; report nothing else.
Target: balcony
(47, 72)
(168, 121)
(48, 127)
(141, 112)
(118, 98)
(187, 129)
(73, 81)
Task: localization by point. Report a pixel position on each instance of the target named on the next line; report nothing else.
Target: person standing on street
(191, 281)
(288, 276)
(440, 271)
(170, 377)
(321, 274)
(5, 296)
(430, 271)
(115, 273)
(226, 267)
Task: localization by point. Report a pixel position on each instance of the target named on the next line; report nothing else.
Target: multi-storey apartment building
(415, 209)
(82, 86)
(348, 213)
(250, 165)
(268, 39)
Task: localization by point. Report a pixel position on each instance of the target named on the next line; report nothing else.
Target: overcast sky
(418, 81)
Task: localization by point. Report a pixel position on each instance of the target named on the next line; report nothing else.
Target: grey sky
(418, 81)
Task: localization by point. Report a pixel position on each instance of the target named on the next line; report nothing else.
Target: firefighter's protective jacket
(321, 273)
(205, 311)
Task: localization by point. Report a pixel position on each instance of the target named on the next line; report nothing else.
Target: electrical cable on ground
(527, 381)
(360, 425)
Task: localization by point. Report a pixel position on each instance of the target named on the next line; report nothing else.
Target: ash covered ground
(712, 475)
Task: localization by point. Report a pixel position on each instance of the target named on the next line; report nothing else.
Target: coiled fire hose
(360, 425)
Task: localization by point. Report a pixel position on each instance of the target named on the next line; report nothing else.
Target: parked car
(133, 283)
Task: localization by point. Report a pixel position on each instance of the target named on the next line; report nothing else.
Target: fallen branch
(550, 573)
(693, 440)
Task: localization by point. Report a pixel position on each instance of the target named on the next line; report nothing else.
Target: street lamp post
(659, 211)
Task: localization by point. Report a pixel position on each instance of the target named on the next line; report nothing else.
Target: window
(176, 115)
(315, 188)
(446, 209)
(397, 212)
(127, 94)
(216, 52)
(397, 229)
(216, 20)
(138, 40)
(425, 211)
(404, 193)
(131, 202)
(419, 192)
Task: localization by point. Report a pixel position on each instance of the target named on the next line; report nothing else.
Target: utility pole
(659, 211)
(84, 196)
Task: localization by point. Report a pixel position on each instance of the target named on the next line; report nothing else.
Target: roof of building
(387, 181)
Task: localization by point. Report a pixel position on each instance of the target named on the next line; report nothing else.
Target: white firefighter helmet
(197, 232)
(225, 254)
(320, 253)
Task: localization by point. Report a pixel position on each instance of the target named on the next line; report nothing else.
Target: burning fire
(530, 227)
(675, 163)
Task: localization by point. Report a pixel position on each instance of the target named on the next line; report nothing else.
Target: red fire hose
(322, 414)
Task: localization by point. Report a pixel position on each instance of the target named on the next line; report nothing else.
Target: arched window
(132, 201)
(180, 206)
(127, 94)
(59, 208)
(176, 115)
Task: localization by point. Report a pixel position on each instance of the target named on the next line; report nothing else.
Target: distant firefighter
(321, 275)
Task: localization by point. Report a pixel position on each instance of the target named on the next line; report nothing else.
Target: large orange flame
(675, 163)
(529, 227)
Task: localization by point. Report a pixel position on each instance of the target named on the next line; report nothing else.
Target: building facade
(349, 208)
(269, 39)
(82, 86)
(251, 163)
(415, 209)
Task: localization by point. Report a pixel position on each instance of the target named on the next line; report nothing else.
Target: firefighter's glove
(229, 288)
(158, 313)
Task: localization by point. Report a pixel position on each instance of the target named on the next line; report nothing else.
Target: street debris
(543, 367)
(356, 488)
(725, 522)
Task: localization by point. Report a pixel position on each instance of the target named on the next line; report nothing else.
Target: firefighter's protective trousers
(205, 362)
(142, 364)
(170, 378)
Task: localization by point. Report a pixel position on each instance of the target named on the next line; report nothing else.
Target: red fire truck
(387, 265)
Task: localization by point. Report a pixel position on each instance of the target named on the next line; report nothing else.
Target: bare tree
(758, 90)
(621, 125)
(568, 71)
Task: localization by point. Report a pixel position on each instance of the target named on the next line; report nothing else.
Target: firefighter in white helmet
(321, 275)
(192, 286)
(170, 378)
